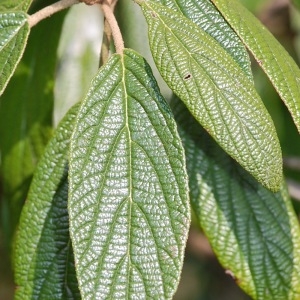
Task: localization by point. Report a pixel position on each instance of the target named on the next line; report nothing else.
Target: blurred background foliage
(78, 60)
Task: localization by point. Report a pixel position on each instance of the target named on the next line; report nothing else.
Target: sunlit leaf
(216, 91)
(129, 209)
(44, 262)
(20, 5)
(271, 56)
(204, 14)
(253, 231)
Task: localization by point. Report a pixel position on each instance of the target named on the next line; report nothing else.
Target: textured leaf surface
(21, 5)
(129, 209)
(216, 90)
(26, 110)
(254, 232)
(14, 31)
(207, 17)
(271, 56)
(44, 262)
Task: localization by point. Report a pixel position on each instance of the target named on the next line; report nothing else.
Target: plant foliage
(108, 211)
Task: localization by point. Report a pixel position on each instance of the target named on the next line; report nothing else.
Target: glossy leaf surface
(254, 232)
(216, 90)
(271, 56)
(14, 31)
(44, 262)
(129, 206)
(204, 14)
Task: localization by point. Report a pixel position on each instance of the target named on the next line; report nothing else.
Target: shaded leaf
(26, 116)
(271, 56)
(14, 31)
(216, 91)
(129, 209)
(44, 262)
(204, 14)
(254, 232)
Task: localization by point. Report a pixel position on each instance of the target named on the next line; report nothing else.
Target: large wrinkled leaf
(26, 116)
(129, 210)
(271, 56)
(21, 5)
(254, 232)
(44, 262)
(216, 90)
(14, 31)
(207, 17)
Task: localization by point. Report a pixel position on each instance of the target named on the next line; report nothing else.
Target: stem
(50, 10)
(107, 8)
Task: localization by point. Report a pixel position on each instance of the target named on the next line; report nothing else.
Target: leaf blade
(29, 118)
(44, 263)
(8, 5)
(128, 237)
(204, 14)
(278, 65)
(254, 232)
(216, 91)
(14, 31)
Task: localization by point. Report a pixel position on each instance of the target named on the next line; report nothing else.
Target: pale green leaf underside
(271, 56)
(44, 263)
(21, 5)
(216, 91)
(204, 14)
(128, 206)
(254, 232)
(14, 31)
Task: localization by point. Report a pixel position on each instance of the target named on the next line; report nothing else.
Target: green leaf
(204, 14)
(271, 56)
(14, 31)
(254, 232)
(44, 262)
(129, 207)
(26, 109)
(22, 5)
(217, 92)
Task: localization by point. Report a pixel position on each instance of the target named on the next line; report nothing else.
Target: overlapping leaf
(26, 109)
(207, 17)
(44, 262)
(129, 209)
(271, 56)
(216, 90)
(254, 232)
(14, 31)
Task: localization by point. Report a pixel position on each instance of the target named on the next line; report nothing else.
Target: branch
(107, 8)
(50, 10)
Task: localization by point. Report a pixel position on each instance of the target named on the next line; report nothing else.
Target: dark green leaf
(271, 56)
(14, 31)
(207, 17)
(26, 116)
(216, 90)
(44, 262)
(254, 232)
(129, 207)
